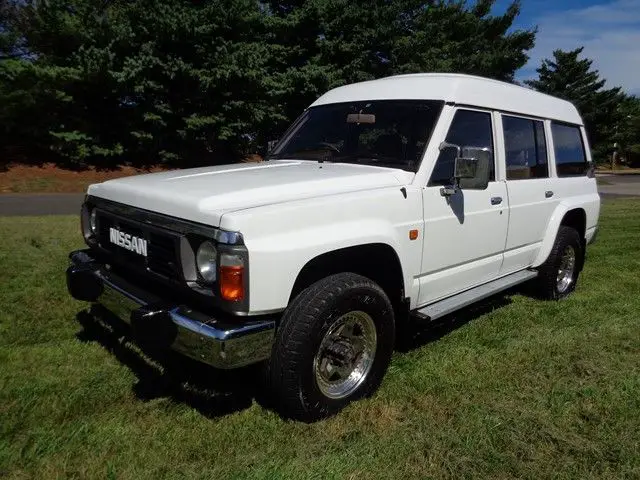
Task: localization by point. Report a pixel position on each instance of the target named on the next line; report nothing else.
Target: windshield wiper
(315, 148)
(353, 158)
(374, 160)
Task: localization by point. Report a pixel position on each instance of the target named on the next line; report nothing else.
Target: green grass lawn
(524, 388)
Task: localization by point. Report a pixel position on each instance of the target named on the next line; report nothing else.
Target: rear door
(464, 234)
(532, 197)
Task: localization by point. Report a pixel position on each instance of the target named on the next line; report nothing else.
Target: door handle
(496, 200)
(548, 194)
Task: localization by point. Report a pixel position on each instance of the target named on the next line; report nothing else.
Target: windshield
(385, 133)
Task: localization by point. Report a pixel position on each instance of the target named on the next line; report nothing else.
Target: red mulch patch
(51, 179)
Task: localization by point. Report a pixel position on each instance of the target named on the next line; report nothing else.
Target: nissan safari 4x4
(387, 201)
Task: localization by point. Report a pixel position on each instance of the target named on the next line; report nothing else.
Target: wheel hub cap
(566, 269)
(346, 355)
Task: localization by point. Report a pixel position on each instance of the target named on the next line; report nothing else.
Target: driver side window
(469, 128)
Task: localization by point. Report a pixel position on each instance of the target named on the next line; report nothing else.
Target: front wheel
(333, 346)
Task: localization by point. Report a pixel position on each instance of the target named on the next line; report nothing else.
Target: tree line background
(112, 82)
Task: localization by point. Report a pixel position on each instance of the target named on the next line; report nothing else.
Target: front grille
(162, 246)
(161, 255)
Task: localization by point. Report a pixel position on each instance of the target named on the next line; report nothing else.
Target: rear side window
(470, 128)
(525, 148)
(571, 159)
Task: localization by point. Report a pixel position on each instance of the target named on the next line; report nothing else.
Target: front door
(465, 234)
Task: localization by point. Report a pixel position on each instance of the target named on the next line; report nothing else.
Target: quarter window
(525, 148)
(571, 159)
(470, 128)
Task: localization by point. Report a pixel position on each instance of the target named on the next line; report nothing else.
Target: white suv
(387, 201)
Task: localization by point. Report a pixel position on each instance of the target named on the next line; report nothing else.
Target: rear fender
(591, 206)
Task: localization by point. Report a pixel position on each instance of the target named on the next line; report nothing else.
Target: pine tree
(149, 81)
(189, 82)
(572, 78)
(322, 44)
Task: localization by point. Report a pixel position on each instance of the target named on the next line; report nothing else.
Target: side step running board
(461, 300)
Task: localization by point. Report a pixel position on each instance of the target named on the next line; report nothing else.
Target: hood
(205, 194)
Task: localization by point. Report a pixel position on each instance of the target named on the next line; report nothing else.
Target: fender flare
(553, 226)
(368, 234)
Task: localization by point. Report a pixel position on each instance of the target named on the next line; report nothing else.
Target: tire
(326, 327)
(549, 284)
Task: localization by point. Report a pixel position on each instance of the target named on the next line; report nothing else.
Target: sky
(608, 29)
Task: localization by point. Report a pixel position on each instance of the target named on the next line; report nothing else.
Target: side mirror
(471, 168)
(451, 190)
(465, 167)
(445, 145)
(476, 173)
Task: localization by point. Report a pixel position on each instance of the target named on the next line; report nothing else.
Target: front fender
(283, 238)
(276, 260)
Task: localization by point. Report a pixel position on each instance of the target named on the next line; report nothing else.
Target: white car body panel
(289, 212)
(203, 195)
(463, 242)
(529, 213)
(589, 202)
(458, 89)
(281, 239)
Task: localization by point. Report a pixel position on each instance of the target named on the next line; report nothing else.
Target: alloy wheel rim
(566, 269)
(346, 354)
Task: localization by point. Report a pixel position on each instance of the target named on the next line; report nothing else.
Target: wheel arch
(576, 218)
(377, 261)
(569, 216)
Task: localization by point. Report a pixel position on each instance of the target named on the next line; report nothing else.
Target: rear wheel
(333, 346)
(558, 276)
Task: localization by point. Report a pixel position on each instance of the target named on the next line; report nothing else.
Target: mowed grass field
(515, 388)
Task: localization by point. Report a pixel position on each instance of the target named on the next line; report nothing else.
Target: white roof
(459, 89)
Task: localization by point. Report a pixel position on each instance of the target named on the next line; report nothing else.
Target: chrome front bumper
(221, 344)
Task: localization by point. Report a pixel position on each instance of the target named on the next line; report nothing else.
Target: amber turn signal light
(232, 283)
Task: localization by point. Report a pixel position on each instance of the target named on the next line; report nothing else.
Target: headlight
(206, 261)
(88, 224)
(92, 222)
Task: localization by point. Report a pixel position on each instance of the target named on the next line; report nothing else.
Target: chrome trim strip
(259, 312)
(199, 336)
(115, 289)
